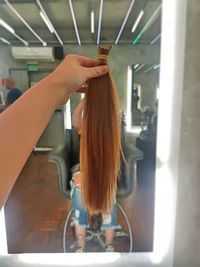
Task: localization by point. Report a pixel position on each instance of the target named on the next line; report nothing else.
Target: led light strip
(137, 21)
(11, 30)
(92, 21)
(149, 68)
(155, 39)
(139, 68)
(124, 22)
(74, 21)
(5, 41)
(148, 25)
(48, 22)
(27, 25)
(100, 19)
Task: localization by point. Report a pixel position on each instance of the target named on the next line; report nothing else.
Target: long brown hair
(100, 141)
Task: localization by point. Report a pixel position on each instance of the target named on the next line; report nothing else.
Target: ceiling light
(155, 39)
(156, 67)
(92, 21)
(135, 66)
(46, 21)
(49, 22)
(137, 20)
(100, 19)
(11, 30)
(74, 21)
(149, 69)
(21, 39)
(124, 22)
(6, 26)
(148, 24)
(20, 17)
(5, 41)
(139, 68)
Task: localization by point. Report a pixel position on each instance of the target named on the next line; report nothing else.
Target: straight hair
(100, 142)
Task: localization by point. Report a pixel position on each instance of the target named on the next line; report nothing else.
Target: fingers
(96, 71)
(87, 62)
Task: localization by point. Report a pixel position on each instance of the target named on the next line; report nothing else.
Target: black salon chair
(67, 156)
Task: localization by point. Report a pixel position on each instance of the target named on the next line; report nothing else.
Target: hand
(73, 72)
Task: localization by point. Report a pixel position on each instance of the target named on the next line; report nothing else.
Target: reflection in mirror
(37, 213)
(144, 94)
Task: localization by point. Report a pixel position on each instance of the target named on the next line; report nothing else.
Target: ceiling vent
(33, 53)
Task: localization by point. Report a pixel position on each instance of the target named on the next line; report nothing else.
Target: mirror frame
(171, 85)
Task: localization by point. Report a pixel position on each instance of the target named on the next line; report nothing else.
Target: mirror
(35, 205)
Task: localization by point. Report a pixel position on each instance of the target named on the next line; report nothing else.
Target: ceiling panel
(58, 11)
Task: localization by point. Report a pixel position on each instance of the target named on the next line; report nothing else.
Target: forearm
(22, 124)
(24, 121)
(77, 115)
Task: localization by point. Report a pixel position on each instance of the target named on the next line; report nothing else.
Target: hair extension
(100, 142)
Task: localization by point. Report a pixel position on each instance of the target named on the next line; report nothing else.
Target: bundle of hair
(100, 142)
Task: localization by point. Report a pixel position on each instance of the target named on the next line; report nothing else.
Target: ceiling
(59, 13)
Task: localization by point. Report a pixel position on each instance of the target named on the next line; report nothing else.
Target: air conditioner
(33, 53)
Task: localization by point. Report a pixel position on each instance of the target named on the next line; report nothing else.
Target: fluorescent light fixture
(5, 41)
(6, 26)
(11, 30)
(149, 68)
(156, 67)
(74, 21)
(137, 20)
(136, 65)
(49, 22)
(139, 68)
(27, 25)
(155, 39)
(46, 21)
(92, 21)
(148, 24)
(21, 39)
(124, 22)
(100, 19)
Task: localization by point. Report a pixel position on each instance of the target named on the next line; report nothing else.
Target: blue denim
(80, 213)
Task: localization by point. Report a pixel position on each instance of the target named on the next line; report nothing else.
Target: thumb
(96, 71)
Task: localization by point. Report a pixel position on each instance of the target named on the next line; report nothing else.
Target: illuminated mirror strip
(3, 241)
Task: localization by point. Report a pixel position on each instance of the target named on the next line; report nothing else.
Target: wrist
(56, 90)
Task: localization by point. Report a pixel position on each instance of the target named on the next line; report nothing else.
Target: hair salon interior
(35, 36)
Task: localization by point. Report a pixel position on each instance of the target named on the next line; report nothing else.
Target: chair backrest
(126, 176)
(54, 134)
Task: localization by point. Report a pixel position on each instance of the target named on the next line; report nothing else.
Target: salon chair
(67, 156)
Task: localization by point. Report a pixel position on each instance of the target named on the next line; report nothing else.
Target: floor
(36, 212)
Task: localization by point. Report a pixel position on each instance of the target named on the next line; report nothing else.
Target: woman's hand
(72, 73)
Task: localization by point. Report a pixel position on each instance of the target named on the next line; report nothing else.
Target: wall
(187, 236)
(121, 57)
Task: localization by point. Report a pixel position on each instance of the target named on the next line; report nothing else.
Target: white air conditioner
(33, 53)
